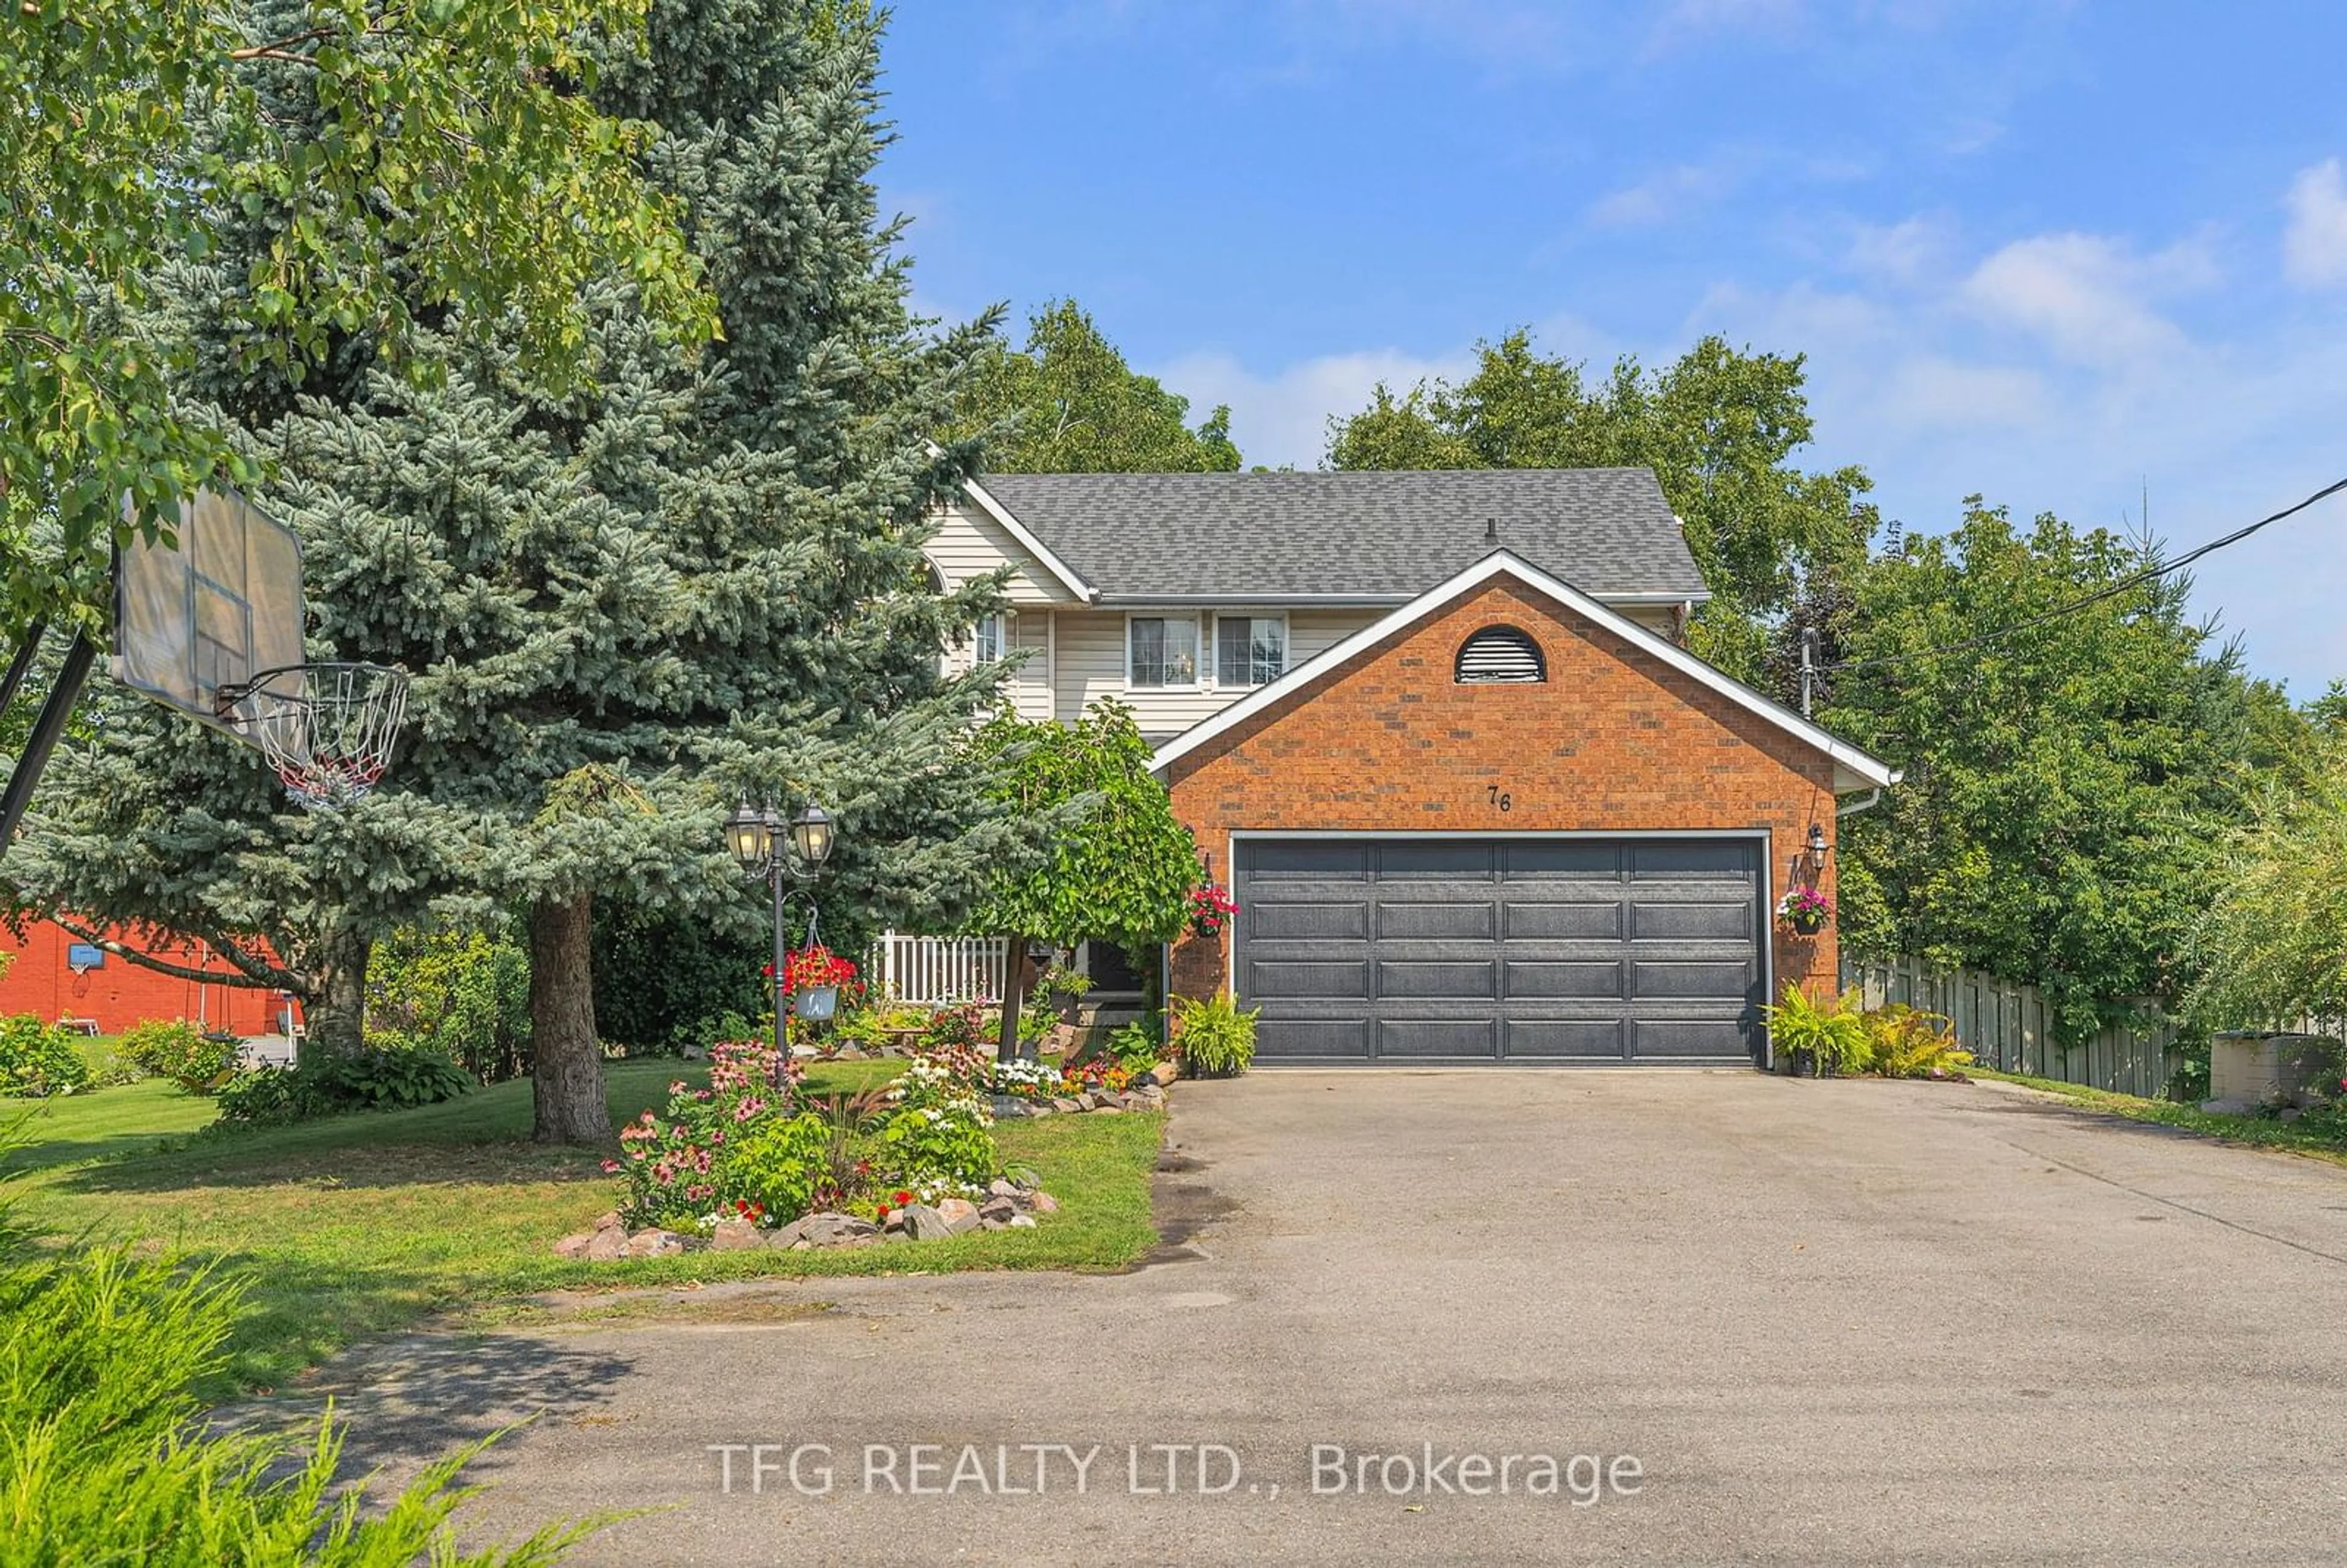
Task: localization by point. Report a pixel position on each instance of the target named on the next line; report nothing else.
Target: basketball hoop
(327, 729)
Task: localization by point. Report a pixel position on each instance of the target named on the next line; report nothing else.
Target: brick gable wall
(1615, 741)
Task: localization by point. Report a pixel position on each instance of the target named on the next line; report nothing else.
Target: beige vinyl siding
(1092, 666)
(969, 544)
(1312, 633)
(1027, 635)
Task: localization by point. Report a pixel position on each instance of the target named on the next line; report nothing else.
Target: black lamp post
(785, 856)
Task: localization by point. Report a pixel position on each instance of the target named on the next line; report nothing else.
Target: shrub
(392, 1073)
(779, 1164)
(1139, 1045)
(1904, 1042)
(940, 1150)
(112, 1459)
(1214, 1038)
(464, 992)
(1834, 1032)
(38, 1058)
(181, 1051)
(271, 1097)
(679, 1163)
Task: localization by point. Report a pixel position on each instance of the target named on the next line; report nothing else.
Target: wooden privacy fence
(2007, 1026)
(932, 970)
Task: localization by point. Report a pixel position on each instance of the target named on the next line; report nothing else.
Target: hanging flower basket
(1805, 910)
(813, 978)
(1210, 908)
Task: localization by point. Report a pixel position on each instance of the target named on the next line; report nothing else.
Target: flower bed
(753, 1160)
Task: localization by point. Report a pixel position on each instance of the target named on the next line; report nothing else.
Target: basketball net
(327, 729)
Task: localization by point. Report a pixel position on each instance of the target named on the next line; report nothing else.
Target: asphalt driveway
(1826, 1322)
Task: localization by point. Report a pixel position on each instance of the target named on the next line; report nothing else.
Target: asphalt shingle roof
(1604, 530)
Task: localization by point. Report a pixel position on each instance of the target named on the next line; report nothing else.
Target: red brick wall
(123, 993)
(1615, 741)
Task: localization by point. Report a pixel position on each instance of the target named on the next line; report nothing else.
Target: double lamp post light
(787, 855)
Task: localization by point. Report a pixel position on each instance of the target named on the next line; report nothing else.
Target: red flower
(904, 1198)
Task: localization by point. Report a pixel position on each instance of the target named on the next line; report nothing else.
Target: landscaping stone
(654, 1244)
(1000, 1187)
(1165, 1072)
(1105, 1109)
(1062, 1103)
(829, 1229)
(1045, 1204)
(607, 1246)
(923, 1223)
(960, 1213)
(1087, 1101)
(735, 1235)
(575, 1246)
(785, 1237)
(1022, 1222)
(998, 1210)
(2225, 1107)
(609, 1219)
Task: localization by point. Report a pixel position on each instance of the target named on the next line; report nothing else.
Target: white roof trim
(1085, 592)
(1852, 764)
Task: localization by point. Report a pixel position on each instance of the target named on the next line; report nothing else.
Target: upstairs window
(990, 640)
(1249, 649)
(1161, 651)
(1501, 655)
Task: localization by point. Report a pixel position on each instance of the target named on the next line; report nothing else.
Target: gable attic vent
(1500, 654)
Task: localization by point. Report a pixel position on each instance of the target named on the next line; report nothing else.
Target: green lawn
(2321, 1139)
(366, 1223)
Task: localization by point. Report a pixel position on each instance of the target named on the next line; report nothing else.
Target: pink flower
(610, 1166)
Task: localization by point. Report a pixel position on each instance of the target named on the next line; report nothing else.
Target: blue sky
(2053, 253)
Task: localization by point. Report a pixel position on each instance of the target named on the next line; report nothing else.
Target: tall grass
(104, 1454)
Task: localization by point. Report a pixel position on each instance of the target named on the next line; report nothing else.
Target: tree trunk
(1015, 982)
(335, 1013)
(567, 1083)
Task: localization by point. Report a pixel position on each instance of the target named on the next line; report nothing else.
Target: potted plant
(1814, 1039)
(1806, 910)
(811, 977)
(1211, 906)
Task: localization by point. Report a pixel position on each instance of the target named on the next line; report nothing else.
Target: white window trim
(1286, 645)
(1006, 631)
(1200, 661)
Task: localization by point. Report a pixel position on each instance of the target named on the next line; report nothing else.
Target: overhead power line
(2111, 590)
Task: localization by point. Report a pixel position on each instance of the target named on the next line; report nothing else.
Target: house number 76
(1501, 798)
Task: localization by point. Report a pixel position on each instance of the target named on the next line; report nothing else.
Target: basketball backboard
(220, 605)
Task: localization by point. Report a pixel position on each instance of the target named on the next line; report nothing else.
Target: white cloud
(1933, 392)
(2314, 246)
(1283, 417)
(1692, 19)
(1662, 197)
(2087, 296)
(1904, 252)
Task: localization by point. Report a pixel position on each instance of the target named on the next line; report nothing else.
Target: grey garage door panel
(1468, 1040)
(1565, 978)
(1564, 1040)
(1529, 921)
(1718, 922)
(1530, 859)
(1272, 920)
(1457, 950)
(1676, 981)
(1413, 979)
(1477, 921)
(1690, 1040)
(1313, 1040)
(1275, 980)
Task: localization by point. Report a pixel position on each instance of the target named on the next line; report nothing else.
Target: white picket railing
(932, 970)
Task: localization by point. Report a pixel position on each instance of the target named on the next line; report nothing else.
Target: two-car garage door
(1556, 950)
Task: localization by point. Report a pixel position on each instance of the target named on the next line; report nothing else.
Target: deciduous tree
(1068, 404)
(1719, 427)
